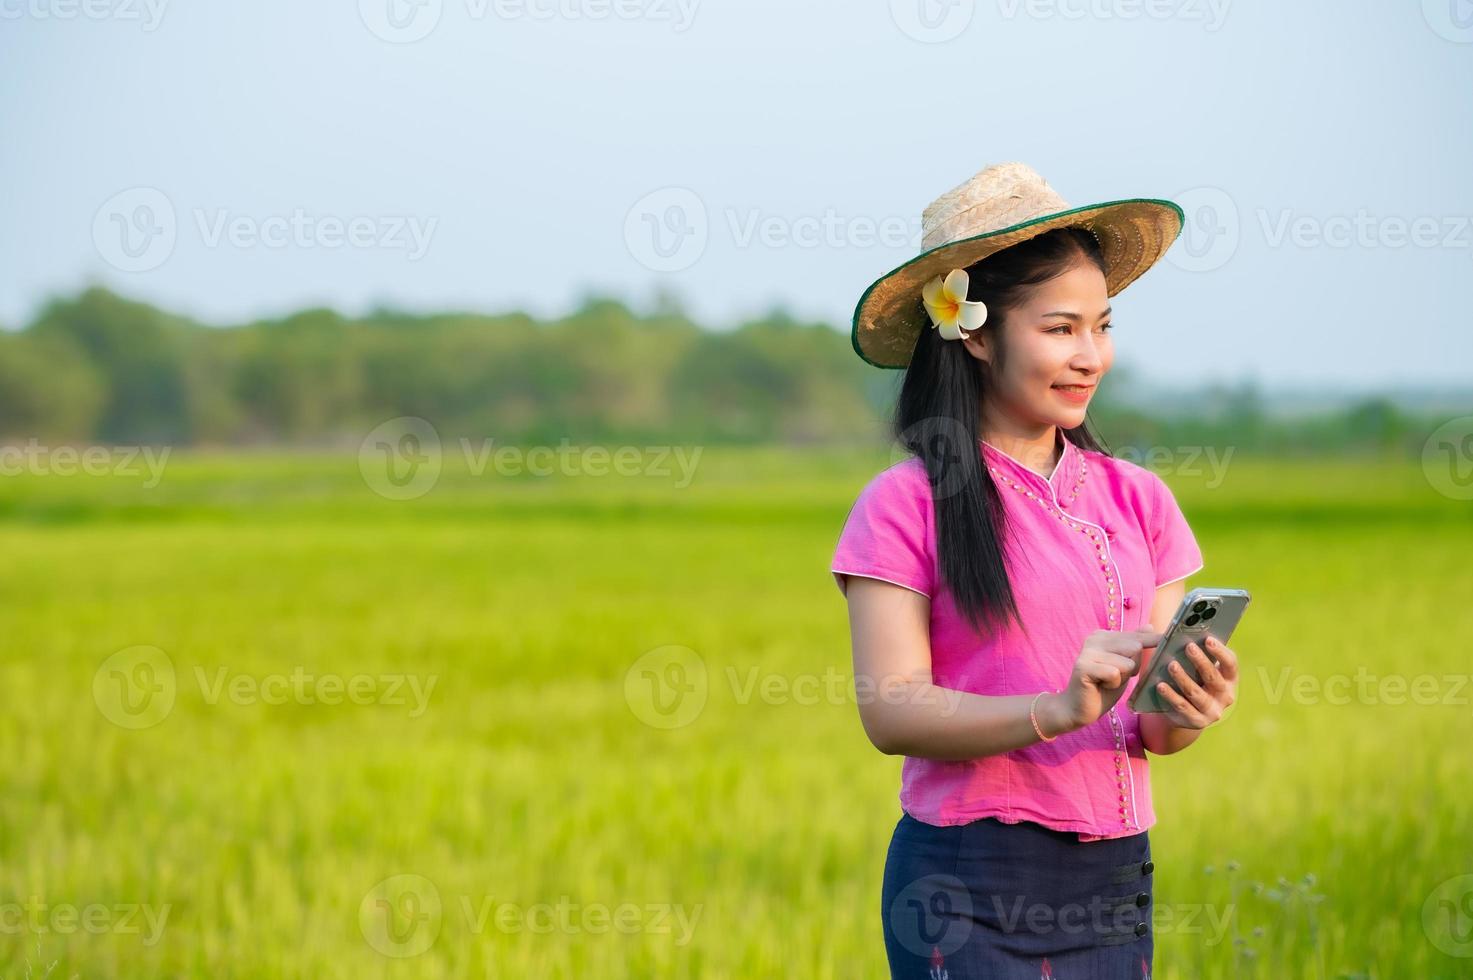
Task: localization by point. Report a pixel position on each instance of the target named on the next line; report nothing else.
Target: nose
(1088, 358)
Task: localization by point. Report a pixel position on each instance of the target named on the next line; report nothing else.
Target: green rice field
(264, 718)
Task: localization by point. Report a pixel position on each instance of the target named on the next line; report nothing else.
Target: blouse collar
(1059, 480)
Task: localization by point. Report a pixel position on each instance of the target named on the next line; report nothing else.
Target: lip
(1078, 397)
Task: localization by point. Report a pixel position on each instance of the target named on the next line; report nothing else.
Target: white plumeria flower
(951, 312)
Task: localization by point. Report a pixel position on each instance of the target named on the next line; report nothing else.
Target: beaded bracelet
(1034, 718)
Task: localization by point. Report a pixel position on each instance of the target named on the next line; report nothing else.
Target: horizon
(1279, 396)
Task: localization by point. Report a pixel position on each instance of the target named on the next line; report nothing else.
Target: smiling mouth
(1075, 389)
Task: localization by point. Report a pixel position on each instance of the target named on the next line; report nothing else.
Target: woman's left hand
(1200, 705)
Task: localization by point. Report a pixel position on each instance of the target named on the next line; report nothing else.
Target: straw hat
(1000, 206)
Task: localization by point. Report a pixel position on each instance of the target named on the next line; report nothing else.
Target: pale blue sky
(521, 141)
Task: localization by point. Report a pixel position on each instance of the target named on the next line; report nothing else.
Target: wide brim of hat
(1134, 234)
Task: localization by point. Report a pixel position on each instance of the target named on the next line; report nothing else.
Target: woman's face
(1057, 337)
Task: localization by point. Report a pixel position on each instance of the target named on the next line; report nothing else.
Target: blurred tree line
(100, 368)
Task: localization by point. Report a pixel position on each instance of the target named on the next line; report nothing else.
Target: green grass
(528, 777)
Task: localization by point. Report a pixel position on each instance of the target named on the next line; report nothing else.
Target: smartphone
(1203, 613)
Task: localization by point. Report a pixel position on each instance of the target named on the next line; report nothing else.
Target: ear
(978, 346)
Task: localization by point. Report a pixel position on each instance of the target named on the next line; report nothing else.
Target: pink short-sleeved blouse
(1088, 548)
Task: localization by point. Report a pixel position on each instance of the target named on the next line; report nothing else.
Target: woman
(1003, 584)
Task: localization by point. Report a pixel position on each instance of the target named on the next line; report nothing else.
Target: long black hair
(937, 419)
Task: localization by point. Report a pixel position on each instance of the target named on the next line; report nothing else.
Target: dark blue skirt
(1020, 901)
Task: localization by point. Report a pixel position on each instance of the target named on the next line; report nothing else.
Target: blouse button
(1109, 530)
(1127, 602)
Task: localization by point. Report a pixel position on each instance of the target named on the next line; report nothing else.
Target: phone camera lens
(1208, 614)
(1192, 619)
(1197, 607)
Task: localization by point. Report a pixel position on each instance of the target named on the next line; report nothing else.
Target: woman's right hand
(1106, 663)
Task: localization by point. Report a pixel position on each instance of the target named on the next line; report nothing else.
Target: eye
(1066, 328)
